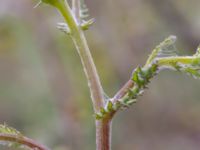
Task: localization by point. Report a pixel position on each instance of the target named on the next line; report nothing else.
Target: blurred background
(43, 91)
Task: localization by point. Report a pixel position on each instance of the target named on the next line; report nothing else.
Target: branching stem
(133, 88)
(102, 127)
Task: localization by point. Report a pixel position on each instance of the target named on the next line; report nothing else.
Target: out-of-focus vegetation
(43, 90)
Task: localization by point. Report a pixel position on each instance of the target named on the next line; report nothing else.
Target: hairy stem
(103, 134)
(85, 55)
(22, 140)
(185, 60)
(75, 9)
(123, 91)
(103, 131)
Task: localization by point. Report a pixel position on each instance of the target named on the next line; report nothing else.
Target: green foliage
(184, 64)
(4, 129)
(162, 48)
(105, 112)
(141, 77)
(64, 28)
(86, 24)
(110, 106)
(162, 57)
(197, 52)
(84, 14)
(84, 11)
(8, 130)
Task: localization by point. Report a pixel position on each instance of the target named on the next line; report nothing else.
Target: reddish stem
(103, 134)
(123, 91)
(22, 140)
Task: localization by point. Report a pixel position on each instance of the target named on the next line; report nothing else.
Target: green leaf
(198, 51)
(162, 49)
(4, 129)
(110, 106)
(98, 116)
(131, 94)
(86, 24)
(63, 27)
(136, 90)
(84, 12)
(117, 105)
(103, 111)
(135, 77)
(131, 101)
(8, 130)
(154, 68)
(195, 72)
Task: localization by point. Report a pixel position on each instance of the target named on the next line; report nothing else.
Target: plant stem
(103, 127)
(22, 140)
(186, 60)
(85, 55)
(75, 10)
(103, 134)
(123, 91)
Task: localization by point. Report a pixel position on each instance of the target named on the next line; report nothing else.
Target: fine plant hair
(162, 57)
